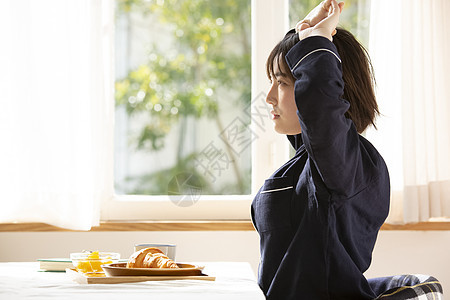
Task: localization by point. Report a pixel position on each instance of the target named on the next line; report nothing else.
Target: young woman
(319, 214)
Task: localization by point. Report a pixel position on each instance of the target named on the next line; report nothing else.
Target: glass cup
(91, 262)
(168, 249)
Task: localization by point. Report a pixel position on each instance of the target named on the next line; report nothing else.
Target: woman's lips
(274, 115)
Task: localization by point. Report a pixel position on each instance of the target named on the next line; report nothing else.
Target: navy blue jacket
(318, 215)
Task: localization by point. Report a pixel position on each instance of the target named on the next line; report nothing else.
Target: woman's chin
(280, 131)
(287, 131)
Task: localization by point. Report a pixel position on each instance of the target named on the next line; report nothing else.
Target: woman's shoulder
(369, 150)
(373, 165)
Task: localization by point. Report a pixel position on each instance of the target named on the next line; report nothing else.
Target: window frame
(269, 22)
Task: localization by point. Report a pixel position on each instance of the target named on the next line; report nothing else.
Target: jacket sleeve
(331, 139)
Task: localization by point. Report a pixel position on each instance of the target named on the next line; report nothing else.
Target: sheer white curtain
(410, 46)
(56, 115)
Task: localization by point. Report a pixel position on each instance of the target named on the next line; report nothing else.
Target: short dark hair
(279, 52)
(357, 73)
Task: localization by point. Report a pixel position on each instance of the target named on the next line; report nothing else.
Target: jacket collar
(295, 140)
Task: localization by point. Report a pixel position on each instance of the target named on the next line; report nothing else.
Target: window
(183, 97)
(190, 88)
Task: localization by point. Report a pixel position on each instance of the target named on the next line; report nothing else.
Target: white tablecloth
(234, 281)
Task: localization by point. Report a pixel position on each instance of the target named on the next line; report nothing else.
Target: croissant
(150, 258)
(158, 260)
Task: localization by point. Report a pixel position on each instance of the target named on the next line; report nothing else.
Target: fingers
(304, 24)
(335, 11)
(327, 26)
(341, 6)
(334, 7)
(326, 5)
(322, 20)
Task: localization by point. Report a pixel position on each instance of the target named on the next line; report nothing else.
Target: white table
(234, 280)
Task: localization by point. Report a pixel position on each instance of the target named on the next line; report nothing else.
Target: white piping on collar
(276, 190)
(321, 49)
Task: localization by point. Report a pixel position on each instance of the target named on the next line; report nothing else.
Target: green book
(54, 264)
(59, 264)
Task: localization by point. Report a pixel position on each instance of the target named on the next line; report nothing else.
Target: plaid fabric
(407, 287)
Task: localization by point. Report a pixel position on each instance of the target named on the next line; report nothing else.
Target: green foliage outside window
(212, 39)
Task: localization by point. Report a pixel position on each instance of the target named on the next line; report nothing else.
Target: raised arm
(331, 139)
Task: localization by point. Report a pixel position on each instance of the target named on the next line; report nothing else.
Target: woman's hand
(321, 21)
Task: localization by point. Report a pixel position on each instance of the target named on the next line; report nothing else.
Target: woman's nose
(272, 95)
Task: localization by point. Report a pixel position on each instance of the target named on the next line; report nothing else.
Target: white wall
(396, 252)
(191, 246)
(413, 252)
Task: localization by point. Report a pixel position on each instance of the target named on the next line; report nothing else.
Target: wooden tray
(120, 269)
(84, 279)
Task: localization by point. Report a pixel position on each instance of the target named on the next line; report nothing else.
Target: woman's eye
(280, 83)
